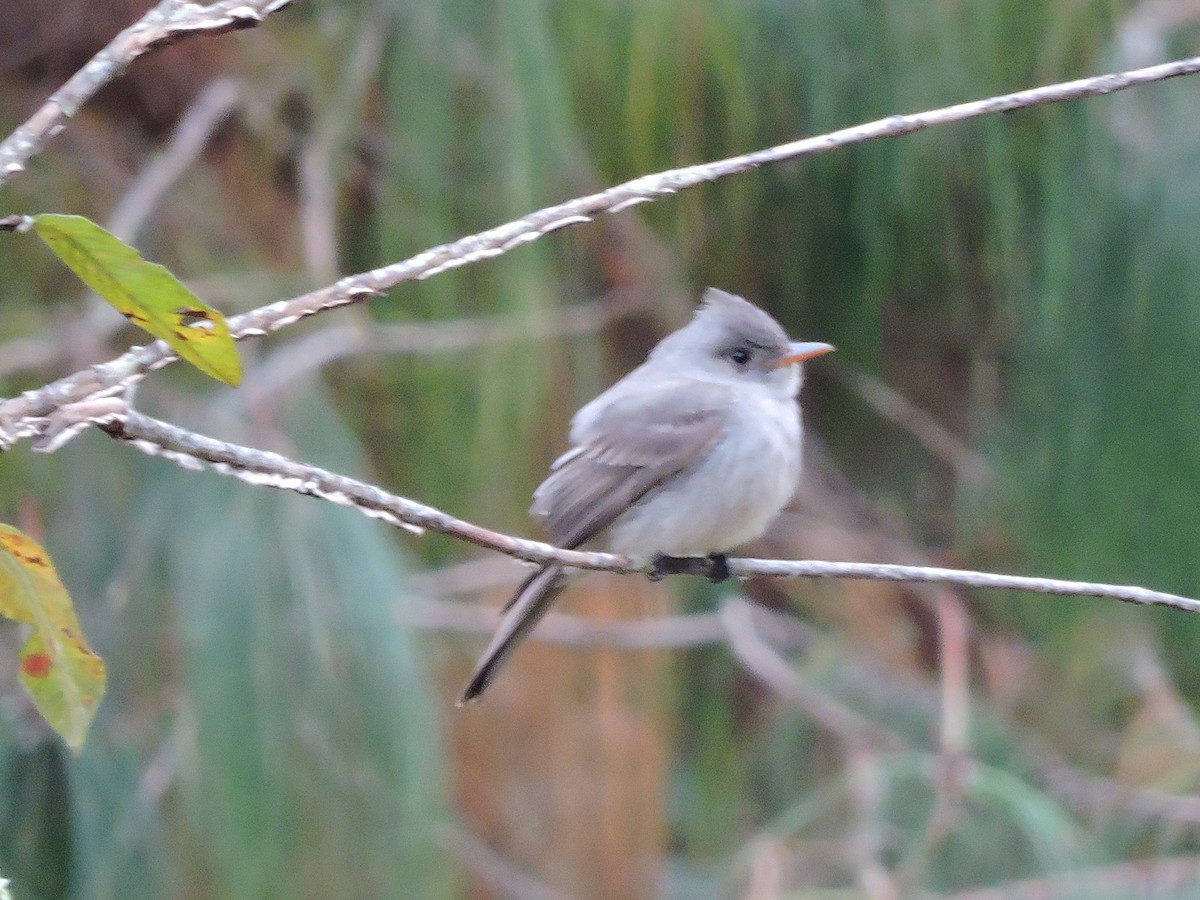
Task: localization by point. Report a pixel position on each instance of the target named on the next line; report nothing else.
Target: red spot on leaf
(37, 665)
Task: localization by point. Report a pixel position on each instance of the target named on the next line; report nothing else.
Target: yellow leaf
(62, 674)
(144, 292)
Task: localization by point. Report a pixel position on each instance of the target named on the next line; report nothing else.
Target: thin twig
(469, 577)
(18, 415)
(925, 429)
(953, 737)
(855, 731)
(288, 364)
(860, 738)
(191, 134)
(169, 21)
(1082, 791)
(196, 451)
(865, 843)
(319, 159)
(748, 568)
(683, 632)
(1149, 877)
(496, 871)
(658, 633)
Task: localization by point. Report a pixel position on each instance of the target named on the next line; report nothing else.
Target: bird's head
(731, 339)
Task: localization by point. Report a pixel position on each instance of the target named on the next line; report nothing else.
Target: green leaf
(145, 293)
(62, 674)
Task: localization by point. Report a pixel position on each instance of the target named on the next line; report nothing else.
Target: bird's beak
(799, 352)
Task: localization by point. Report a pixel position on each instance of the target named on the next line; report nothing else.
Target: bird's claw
(718, 567)
(714, 567)
(662, 566)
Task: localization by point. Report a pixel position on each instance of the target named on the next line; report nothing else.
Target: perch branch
(196, 451)
(19, 415)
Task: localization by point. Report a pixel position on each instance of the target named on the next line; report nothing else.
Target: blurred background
(1016, 303)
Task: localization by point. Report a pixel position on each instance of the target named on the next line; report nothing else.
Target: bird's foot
(718, 567)
(662, 566)
(714, 567)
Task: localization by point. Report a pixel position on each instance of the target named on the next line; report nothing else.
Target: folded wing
(632, 446)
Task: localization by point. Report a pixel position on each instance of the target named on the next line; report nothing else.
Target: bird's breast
(728, 496)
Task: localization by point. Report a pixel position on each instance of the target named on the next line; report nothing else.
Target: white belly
(728, 497)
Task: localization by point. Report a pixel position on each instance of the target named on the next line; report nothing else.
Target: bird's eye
(739, 356)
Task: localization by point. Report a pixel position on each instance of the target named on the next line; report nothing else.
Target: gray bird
(692, 453)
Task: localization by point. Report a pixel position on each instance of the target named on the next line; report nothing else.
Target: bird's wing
(634, 444)
(628, 445)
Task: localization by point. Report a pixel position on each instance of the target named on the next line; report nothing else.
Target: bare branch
(855, 731)
(866, 841)
(658, 633)
(195, 451)
(169, 21)
(747, 568)
(318, 160)
(85, 335)
(496, 871)
(786, 633)
(1147, 877)
(287, 364)
(191, 134)
(17, 414)
(260, 467)
(928, 432)
(1101, 795)
(1082, 791)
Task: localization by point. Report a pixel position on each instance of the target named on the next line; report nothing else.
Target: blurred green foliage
(1031, 280)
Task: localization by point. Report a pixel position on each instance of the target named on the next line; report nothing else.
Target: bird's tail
(524, 611)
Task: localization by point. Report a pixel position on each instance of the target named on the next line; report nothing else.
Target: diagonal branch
(191, 134)
(166, 23)
(19, 415)
(261, 467)
(757, 656)
(290, 363)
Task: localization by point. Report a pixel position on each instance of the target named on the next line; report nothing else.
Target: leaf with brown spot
(63, 676)
(144, 292)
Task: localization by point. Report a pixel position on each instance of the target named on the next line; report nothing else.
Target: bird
(691, 454)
